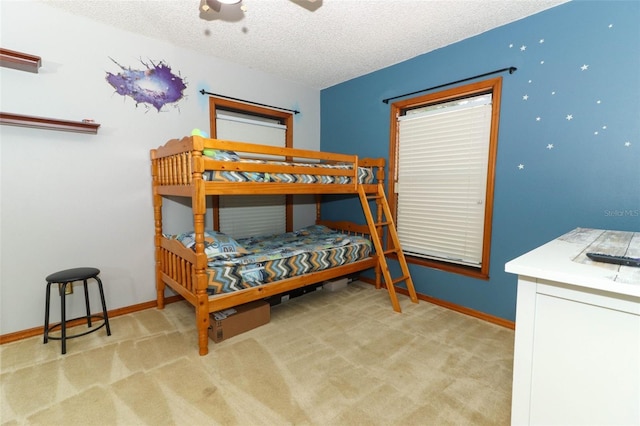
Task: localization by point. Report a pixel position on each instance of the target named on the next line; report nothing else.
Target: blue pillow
(216, 244)
(314, 230)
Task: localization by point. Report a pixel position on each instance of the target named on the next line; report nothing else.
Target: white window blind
(247, 215)
(442, 178)
(244, 216)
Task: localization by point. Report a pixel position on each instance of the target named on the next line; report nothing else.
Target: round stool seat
(70, 275)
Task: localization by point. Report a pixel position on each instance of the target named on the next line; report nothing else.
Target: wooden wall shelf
(48, 123)
(31, 63)
(19, 61)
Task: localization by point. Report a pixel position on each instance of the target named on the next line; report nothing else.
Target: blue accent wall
(569, 137)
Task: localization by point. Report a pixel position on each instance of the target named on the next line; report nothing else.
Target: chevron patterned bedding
(365, 175)
(276, 257)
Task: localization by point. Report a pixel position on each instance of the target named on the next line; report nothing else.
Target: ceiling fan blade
(310, 5)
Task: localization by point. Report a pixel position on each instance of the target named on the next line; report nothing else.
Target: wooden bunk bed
(193, 167)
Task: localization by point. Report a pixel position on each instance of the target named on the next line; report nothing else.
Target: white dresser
(577, 340)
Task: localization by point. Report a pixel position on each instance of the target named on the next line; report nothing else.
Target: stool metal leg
(46, 313)
(104, 306)
(63, 318)
(86, 301)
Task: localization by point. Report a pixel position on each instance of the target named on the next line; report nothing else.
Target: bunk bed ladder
(376, 228)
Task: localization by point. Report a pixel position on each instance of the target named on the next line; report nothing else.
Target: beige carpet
(341, 358)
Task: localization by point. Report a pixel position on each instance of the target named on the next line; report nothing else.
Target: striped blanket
(365, 175)
(276, 257)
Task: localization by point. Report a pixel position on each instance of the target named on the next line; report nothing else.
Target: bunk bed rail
(182, 162)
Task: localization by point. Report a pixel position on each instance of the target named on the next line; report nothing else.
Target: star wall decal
(531, 86)
(603, 128)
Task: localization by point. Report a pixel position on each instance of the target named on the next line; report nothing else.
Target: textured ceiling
(316, 43)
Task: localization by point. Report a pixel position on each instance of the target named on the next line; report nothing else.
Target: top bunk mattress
(365, 174)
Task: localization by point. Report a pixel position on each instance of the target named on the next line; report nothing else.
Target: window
(443, 150)
(245, 215)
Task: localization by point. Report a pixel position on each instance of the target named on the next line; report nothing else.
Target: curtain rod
(510, 69)
(249, 102)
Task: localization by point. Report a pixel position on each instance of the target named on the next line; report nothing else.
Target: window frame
(493, 86)
(286, 118)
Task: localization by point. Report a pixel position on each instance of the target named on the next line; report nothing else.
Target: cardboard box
(335, 284)
(233, 321)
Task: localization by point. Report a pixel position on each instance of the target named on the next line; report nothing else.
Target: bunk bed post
(318, 208)
(199, 210)
(157, 217)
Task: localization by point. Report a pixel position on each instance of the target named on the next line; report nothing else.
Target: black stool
(63, 279)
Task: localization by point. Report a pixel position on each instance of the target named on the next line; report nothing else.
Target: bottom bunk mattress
(254, 261)
(275, 257)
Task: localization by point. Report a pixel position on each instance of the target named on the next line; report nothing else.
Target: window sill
(469, 271)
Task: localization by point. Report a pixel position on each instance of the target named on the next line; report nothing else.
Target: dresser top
(565, 260)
